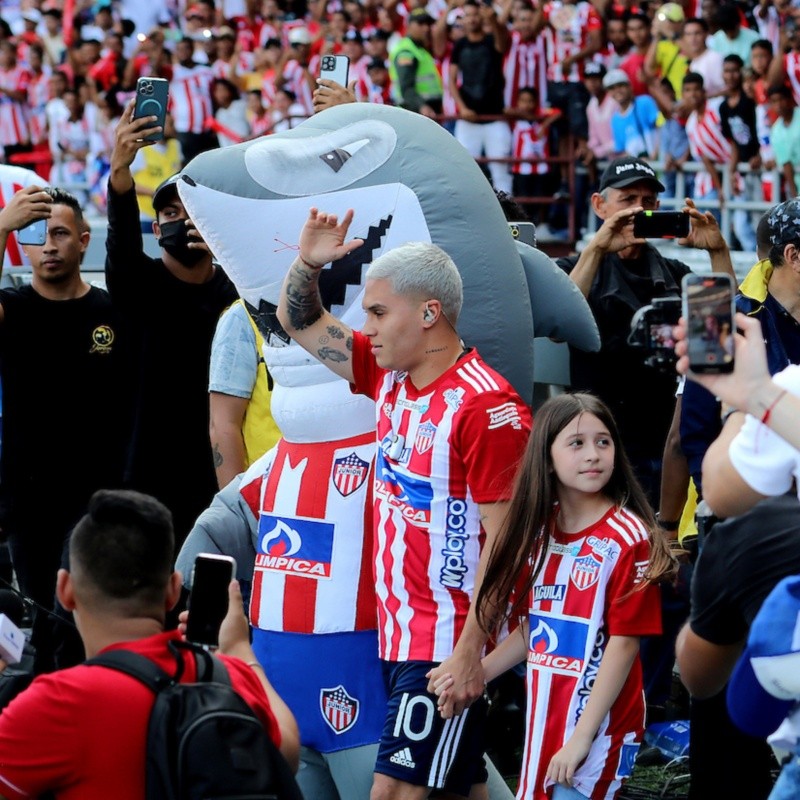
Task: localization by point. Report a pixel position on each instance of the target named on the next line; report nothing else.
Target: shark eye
(335, 159)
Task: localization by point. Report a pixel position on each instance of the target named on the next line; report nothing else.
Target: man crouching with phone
(82, 732)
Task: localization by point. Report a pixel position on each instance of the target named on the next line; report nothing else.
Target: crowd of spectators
(519, 83)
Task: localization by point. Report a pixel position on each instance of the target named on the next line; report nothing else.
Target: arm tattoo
(335, 332)
(218, 459)
(331, 354)
(349, 343)
(303, 300)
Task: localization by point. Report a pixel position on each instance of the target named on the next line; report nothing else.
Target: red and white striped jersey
(224, 69)
(13, 119)
(358, 73)
(443, 450)
(791, 63)
(589, 589)
(376, 94)
(524, 66)
(530, 140)
(12, 179)
(313, 567)
(38, 95)
(190, 97)
(566, 34)
(704, 132)
(294, 75)
(449, 107)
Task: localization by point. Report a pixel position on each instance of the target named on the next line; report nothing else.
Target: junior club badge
(349, 474)
(424, 438)
(338, 708)
(585, 571)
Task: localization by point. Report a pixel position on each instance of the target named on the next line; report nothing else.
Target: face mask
(175, 240)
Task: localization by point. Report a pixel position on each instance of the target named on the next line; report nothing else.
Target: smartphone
(152, 95)
(661, 225)
(35, 233)
(335, 68)
(524, 232)
(708, 310)
(208, 602)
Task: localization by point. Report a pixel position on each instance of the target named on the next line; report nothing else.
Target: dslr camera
(651, 332)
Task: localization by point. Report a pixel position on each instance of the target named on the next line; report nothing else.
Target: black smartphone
(661, 225)
(335, 68)
(152, 96)
(208, 602)
(524, 232)
(709, 310)
(33, 234)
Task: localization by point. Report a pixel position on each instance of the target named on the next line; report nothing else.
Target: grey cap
(615, 77)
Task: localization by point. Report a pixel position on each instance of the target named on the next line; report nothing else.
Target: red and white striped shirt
(566, 34)
(294, 75)
(589, 589)
(530, 140)
(190, 97)
(706, 140)
(12, 180)
(224, 69)
(313, 567)
(38, 95)
(443, 450)
(524, 66)
(382, 96)
(13, 119)
(791, 63)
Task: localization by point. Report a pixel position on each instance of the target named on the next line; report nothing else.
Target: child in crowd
(257, 117)
(579, 554)
(287, 113)
(531, 140)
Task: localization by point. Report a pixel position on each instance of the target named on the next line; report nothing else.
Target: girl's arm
(615, 666)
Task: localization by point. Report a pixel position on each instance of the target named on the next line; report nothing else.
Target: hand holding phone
(335, 68)
(661, 225)
(208, 602)
(27, 213)
(152, 96)
(708, 308)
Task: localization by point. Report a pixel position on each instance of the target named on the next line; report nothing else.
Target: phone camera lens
(147, 88)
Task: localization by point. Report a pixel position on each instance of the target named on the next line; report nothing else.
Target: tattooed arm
(300, 309)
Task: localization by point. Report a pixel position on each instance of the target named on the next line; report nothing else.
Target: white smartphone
(335, 68)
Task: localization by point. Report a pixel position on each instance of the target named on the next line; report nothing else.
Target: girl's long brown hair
(521, 546)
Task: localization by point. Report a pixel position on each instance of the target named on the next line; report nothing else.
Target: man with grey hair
(450, 432)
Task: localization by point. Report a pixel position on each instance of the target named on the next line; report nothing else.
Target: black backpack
(203, 740)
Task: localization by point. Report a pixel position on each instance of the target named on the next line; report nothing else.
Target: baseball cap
(615, 77)
(594, 68)
(32, 15)
(672, 12)
(624, 171)
(166, 191)
(299, 36)
(765, 684)
(783, 223)
(376, 63)
(352, 35)
(420, 15)
(224, 32)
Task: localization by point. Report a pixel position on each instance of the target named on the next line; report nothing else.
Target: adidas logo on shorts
(403, 758)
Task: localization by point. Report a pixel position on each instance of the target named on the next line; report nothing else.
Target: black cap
(376, 63)
(594, 68)
(166, 191)
(353, 35)
(420, 15)
(624, 171)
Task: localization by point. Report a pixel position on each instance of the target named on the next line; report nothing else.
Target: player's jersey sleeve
(593, 21)
(365, 371)
(490, 436)
(633, 609)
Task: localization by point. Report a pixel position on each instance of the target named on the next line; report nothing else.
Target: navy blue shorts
(418, 746)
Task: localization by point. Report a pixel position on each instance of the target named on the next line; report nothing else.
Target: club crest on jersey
(557, 643)
(424, 438)
(295, 546)
(349, 474)
(339, 709)
(585, 571)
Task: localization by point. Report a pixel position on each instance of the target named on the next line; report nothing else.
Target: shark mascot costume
(299, 520)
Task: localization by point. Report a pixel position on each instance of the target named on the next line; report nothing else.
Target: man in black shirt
(170, 307)
(64, 403)
(476, 82)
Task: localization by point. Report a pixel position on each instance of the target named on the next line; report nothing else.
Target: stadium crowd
(713, 83)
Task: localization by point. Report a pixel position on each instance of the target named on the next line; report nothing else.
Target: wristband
(768, 412)
(667, 525)
(310, 266)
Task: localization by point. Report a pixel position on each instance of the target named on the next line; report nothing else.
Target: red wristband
(768, 412)
(310, 266)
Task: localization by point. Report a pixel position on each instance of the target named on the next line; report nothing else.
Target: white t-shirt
(766, 462)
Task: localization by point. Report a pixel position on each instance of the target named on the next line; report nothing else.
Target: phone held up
(524, 232)
(152, 96)
(708, 309)
(208, 602)
(335, 68)
(661, 225)
(33, 234)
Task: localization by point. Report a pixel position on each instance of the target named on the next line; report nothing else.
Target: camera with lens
(651, 332)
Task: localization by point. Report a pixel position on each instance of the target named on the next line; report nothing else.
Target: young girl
(579, 555)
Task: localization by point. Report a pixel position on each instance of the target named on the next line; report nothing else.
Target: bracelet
(667, 525)
(310, 266)
(768, 412)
